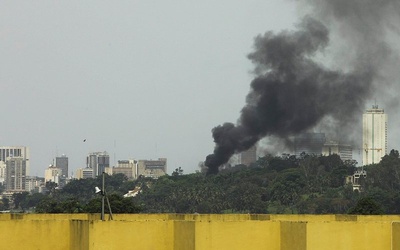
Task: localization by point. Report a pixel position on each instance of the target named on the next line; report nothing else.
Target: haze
(138, 79)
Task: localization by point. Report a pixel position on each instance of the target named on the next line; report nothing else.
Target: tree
(19, 200)
(366, 206)
(177, 172)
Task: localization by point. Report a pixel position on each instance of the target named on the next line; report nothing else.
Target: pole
(103, 192)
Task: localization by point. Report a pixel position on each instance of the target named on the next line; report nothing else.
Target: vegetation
(309, 184)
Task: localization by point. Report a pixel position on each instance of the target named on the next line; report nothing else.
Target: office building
(34, 184)
(98, 161)
(15, 173)
(62, 163)
(345, 151)
(84, 173)
(2, 172)
(374, 135)
(126, 167)
(52, 174)
(309, 143)
(152, 168)
(16, 151)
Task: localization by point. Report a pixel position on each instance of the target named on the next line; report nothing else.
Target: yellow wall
(198, 232)
(144, 235)
(231, 235)
(35, 234)
(348, 235)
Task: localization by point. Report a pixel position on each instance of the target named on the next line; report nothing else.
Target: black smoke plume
(292, 93)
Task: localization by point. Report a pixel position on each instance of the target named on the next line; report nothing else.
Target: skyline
(139, 80)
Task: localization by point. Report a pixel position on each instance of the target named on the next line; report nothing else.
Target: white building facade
(374, 135)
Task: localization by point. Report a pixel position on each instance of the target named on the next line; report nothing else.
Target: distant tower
(374, 135)
(16, 151)
(62, 162)
(15, 173)
(98, 161)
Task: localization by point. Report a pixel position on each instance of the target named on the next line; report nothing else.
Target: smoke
(294, 92)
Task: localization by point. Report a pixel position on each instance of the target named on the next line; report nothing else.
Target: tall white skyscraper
(374, 135)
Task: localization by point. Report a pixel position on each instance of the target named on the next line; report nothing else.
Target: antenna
(115, 145)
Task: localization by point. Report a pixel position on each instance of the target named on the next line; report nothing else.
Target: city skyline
(149, 80)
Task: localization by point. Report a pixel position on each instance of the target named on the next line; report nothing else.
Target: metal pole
(109, 210)
(103, 192)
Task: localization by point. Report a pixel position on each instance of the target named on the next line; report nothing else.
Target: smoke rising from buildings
(294, 92)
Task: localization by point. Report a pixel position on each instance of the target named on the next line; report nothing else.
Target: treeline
(78, 196)
(309, 184)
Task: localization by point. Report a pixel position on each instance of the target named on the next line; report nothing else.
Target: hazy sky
(138, 79)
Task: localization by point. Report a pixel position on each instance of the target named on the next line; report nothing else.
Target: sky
(138, 79)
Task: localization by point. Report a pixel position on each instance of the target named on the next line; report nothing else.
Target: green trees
(366, 206)
(78, 196)
(310, 184)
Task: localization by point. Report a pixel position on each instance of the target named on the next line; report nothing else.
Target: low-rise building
(152, 168)
(344, 151)
(84, 173)
(126, 167)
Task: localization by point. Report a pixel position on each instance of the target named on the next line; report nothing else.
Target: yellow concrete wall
(395, 236)
(293, 235)
(237, 235)
(120, 235)
(199, 232)
(9, 216)
(35, 234)
(333, 235)
(302, 217)
(378, 218)
(184, 235)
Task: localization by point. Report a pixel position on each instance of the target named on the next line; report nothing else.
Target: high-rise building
(15, 173)
(98, 161)
(345, 151)
(374, 135)
(249, 156)
(16, 151)
(309, 143)
(2, 172)
(62, 163)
